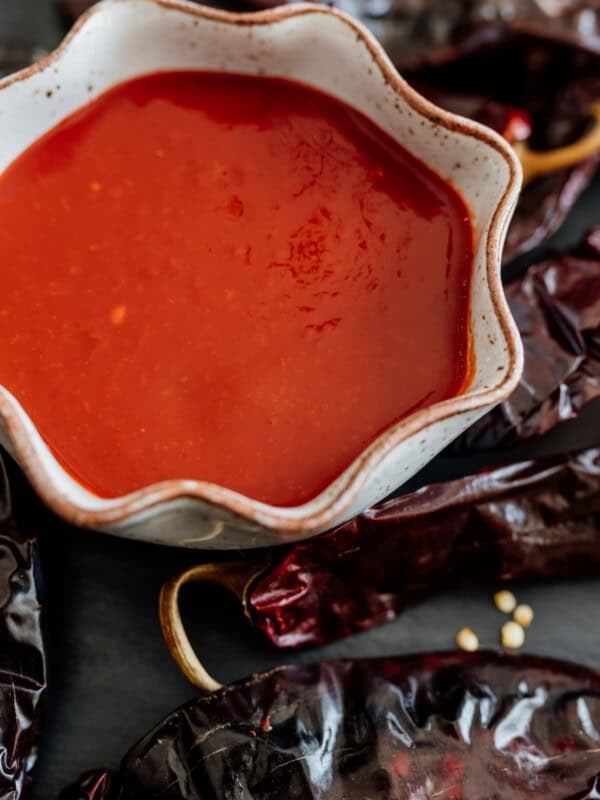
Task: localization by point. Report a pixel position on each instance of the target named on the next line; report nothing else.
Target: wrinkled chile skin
(460, 726)
(552, 79)
(534, 519)
(22, 660)
(556, 306)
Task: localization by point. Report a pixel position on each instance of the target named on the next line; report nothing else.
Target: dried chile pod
(556, 306)
(22, 661)
(448, 725)
(546, 201)
(553, 177)
(555, 83)
(527, 520)
(534, 519)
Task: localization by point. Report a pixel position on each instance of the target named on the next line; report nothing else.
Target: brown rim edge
(236, 576)
(118, 510)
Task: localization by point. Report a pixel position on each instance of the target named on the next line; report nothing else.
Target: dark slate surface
(110, 675)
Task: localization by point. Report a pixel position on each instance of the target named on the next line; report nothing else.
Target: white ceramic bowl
(119, 39)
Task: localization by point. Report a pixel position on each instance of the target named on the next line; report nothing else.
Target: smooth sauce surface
(227, 278)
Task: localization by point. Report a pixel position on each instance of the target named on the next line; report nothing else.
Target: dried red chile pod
(22, 661)
(527, 520)
(556, 306)
(552, 82)
(546, 201)
(460, 726)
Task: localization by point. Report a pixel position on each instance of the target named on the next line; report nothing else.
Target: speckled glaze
(120, 39)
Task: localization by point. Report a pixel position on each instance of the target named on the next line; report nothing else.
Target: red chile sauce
(233, 279)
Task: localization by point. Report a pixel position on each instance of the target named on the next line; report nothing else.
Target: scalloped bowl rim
(318, 513)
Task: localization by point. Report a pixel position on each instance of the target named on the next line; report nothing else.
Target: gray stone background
(111, 678)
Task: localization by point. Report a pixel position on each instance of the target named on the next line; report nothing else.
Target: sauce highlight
(234, 279)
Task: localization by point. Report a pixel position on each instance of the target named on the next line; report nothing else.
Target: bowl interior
(120, 40)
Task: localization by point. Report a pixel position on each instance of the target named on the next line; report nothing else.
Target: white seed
(505, 601)
(513, 635)
(523, 615)
(467, 640)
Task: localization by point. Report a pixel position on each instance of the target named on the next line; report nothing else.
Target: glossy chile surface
(556, 305)
(22, 659)
(543, 71)
(460, 726)
(527, 520)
